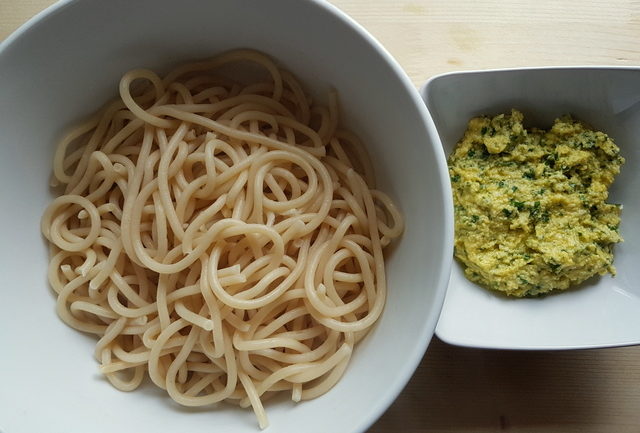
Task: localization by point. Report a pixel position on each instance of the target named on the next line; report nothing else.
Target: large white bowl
(65, 63)
(602, 312)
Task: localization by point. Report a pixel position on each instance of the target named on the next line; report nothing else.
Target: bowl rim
(428, 326)
(424, 87)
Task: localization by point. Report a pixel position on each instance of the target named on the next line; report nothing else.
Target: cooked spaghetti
(223, 237)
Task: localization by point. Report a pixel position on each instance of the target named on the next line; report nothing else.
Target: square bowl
(601, 312)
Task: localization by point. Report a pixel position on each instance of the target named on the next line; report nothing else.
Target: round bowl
(66, 63)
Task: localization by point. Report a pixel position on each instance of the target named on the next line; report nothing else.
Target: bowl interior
(604, 311)
(65, 64)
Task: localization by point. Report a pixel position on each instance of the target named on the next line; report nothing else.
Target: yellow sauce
(530, 205)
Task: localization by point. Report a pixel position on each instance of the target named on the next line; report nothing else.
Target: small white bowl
(604, 311)
(65, 63)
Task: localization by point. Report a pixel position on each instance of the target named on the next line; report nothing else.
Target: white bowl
(604, 311)
(66, 63)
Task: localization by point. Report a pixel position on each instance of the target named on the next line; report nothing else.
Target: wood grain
(480, 391)
(429, 37)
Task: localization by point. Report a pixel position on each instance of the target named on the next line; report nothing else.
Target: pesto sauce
(530, 205)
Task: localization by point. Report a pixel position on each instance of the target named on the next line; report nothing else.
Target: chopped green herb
(550, 159)
(455, 178)
(544, 217)
(534, 210)
(517, 204)
(530, 174)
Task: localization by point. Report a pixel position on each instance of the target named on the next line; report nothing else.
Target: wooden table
(474, 391)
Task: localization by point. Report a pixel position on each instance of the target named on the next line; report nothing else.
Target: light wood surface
(476, 391)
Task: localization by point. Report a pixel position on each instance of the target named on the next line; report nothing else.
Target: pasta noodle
(224, 238)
